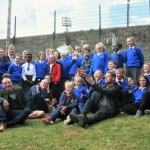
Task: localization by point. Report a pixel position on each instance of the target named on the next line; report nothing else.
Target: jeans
(57, 114)
(13, 117)
(38, 103)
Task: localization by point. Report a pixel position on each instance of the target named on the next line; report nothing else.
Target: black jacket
(112, 94)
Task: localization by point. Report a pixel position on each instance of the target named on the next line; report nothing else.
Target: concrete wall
(108, 37)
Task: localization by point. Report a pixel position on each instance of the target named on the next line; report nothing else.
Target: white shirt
(31, 72)
(11, 57)
(41, 62)
(119, 80)
(142, 88)
(131, 47)
(16, 64)
(99, 53)
(50, 67)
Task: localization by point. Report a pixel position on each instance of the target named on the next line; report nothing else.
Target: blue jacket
(68, 57)
(124, 85)
(73, 65)
(1, 86)
(15, 72)
(64, 68)
(70, 102)
(35, 89)
(78, 92)
(118, 58)
(132, 88)
(134, 57)
(137, 95)
(4, 68)
(148, 78)
(99, 63)
(41, 69)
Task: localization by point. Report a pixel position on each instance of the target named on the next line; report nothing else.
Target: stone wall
(108, 36)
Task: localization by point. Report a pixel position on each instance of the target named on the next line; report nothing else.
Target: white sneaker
(147, 112)
(68, 120)
(138, 114)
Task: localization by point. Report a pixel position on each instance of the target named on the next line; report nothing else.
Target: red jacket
(55, 72)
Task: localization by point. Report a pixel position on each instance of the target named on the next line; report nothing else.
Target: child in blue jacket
(41, 67)
(123, 86)
(146, 69)
(98, 78)
(15, 70)
(99, 60)
(132, 86)
(64, 72)
(67, 104)
(81, 92)
(140, 101)
(73, 64)
(117, 55)
(134, 59)
(112, 65)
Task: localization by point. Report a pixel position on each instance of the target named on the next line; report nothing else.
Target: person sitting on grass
(5, 75)
(98, 78)
(146, 69)
(68, 103)
(12, 105)
(102, 103)
(39, 100)
(81, 91)
(132, 87)
(140, 100)
(123, 84)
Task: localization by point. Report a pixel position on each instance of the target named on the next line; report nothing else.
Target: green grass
(120, 133)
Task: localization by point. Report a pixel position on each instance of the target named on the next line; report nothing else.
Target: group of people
(70, 85)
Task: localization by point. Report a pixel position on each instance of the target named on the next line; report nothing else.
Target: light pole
(66, 21)
(128, 7)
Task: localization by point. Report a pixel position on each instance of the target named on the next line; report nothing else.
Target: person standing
(28, 74)
(4, 64)
(134, 59)
(10, 53)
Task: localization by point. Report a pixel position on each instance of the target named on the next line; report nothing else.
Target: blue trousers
(13, 117)
(57, 114)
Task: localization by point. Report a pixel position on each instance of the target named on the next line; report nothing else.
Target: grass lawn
(123, 132)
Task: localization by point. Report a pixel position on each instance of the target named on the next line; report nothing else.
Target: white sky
(36, 17)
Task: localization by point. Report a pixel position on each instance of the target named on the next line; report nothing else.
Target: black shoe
(82, 120)
(74, 118)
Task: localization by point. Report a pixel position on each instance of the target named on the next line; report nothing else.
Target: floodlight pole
(66, 24)
(8, 23)
(99, 20)
(128, 7)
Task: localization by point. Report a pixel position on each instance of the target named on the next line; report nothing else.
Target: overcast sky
(36, 17)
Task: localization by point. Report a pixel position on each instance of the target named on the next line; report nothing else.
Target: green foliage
(120, 133)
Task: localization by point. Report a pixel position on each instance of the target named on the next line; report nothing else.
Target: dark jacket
(112, 94)
(19, 94)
